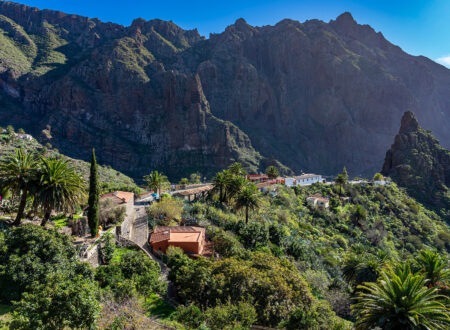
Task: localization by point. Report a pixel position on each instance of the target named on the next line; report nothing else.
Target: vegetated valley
(276, 260)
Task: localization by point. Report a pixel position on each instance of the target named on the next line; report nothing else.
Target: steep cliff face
(320, 96)
(417, 162)
(105, 86)
(312, 95)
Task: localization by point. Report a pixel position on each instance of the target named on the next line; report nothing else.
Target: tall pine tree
(94, 192)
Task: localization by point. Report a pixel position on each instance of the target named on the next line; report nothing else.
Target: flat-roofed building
(303, 180)
(190, 239)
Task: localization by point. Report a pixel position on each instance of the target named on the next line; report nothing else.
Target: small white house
(290, 182)
(318, 201)
(382, 182)
(23, 136)
(302, 180)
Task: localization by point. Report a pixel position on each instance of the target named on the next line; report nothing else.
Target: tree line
(48, 185)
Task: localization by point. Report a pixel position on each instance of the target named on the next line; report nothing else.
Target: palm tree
(359, 268)
(18, 173)
(155, 181)
(340, 181)
(248, 198)
(400, 300)
(60, 187)
(234, 186)
(272, 172)
(433, 266)
(220, 184)
(359, 214)
(236, 169)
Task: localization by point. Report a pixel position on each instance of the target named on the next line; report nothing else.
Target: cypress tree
(345, 175)
(93, 207)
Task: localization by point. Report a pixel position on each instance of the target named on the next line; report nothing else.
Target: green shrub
(190, 316)
(230, 316)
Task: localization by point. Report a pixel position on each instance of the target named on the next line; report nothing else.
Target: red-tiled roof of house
(119, 196)
(163, 233)
(252, 177)
(193, 191)
(267, 183)
(318, 197)
(178, 229)
(146, 193)
(158, 237)
(315, 196)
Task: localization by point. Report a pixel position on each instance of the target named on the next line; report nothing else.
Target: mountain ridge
(314, 96)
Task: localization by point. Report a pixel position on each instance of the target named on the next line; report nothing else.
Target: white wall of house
(308, 181)
(382, 182)
(290, 182)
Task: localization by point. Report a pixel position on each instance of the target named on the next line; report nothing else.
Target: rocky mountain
(417, 162)
(313, 96)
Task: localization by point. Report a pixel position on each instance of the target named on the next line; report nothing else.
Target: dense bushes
(365, 228)
(31, 255)
(273, 286)
(40, 275)
(134, 272)
(39, 270)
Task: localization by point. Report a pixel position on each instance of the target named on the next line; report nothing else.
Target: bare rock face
(313, 96)
(417, 162)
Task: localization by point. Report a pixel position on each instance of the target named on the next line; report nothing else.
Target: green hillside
(110, 179)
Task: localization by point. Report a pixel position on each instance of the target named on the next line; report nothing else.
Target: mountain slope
(314, 96)
(110, 180)
(417, 162)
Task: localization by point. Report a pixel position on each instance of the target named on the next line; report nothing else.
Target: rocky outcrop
(314, 96)
(417, 162)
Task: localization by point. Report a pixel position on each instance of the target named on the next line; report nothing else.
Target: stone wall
(125, 227)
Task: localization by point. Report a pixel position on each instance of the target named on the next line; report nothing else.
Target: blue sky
(420, 27)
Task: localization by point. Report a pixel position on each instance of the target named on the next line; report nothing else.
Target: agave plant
(400, 300)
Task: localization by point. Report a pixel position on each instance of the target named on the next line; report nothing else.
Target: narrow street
(139, 235)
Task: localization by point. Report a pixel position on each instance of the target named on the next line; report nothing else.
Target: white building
(319, 201)
(382, 182)
(23, 136)
(302, 180)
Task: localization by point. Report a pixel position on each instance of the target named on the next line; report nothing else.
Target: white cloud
(445, 60)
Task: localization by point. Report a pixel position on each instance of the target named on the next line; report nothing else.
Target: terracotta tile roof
(163, 233)
(318, 197)
(267, 183)
(158, 237)
(193, 191)
(120, 196)
(178, 229)
(315, 196)
(146, 193)
(253, 177)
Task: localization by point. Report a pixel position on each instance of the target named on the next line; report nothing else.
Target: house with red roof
(191, 239)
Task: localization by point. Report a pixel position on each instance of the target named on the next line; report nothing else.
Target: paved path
(139, 235)
(139, 231)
